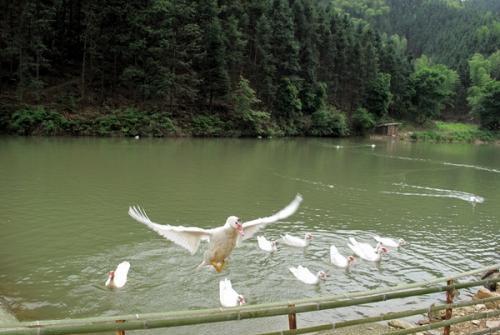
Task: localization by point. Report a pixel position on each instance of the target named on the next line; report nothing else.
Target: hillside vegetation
(245, 68)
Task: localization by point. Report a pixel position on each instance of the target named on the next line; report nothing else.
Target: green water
(64, 222)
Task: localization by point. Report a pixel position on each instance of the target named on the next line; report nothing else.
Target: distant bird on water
(296, 241)
(266, 245)
(389, 242)
(118, 277)
(222, 240)
(304, 275)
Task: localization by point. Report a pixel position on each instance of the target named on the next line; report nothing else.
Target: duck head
(308, 236)
(350, 260)
(234, 222)
(241, 300)
(322, 275)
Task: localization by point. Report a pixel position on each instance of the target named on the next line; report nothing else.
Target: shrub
(36, 120)
(207, 125)
(362, 121)
(328, 122)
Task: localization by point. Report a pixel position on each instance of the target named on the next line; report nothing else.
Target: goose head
(234, 222)
(322, 275)
(241, 300)
(308, 236)
(350, 260)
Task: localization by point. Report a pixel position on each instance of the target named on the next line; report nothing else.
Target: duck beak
(239, 229)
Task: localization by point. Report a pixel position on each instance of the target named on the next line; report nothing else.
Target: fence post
(120, 332)
(450, 292)
(292, 317)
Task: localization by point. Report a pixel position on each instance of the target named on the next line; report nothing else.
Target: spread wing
(251, 227)
(187, 237)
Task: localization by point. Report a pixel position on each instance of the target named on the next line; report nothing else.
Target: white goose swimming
(118, 278)
(304, 275)
(266, 245)
(222, 239)
(389, 242)
(228, 296)
(366, 251)
(339, 260)
(296, 241)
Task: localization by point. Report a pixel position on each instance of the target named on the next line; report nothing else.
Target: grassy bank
(440, 131)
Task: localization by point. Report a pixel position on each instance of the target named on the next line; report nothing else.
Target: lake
(64, 222)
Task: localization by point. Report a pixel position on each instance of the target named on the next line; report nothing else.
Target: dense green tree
(378, 96)
(489, 106)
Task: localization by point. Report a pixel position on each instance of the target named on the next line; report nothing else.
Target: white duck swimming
(338, 259)
(366, 251)
(228, 296)
(304, 275)
(222, 239)
(266, 245)
(296, 241)
(118, 278)
(389, 242)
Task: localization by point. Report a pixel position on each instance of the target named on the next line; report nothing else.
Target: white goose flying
(266, 245)
(118, 278)
(296, 241)
(222, 239)
(339, 260)
(366, 251)
(228, 296)
(389, 242)
(304, 275)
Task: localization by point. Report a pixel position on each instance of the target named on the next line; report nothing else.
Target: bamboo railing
(290, 308)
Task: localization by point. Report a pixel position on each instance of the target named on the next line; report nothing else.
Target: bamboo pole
(253, 308)
(163, 320)
(270, 305)
(382, 317)
(476, 316)
(493, 330)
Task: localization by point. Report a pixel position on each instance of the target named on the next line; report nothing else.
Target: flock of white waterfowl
(222, 240)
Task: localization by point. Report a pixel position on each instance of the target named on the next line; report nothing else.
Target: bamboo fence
(183, 318)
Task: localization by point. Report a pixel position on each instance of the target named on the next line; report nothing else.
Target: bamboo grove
(236, 68)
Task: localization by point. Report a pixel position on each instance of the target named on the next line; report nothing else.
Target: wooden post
(120, 332)
(292, 317)
(449, 300)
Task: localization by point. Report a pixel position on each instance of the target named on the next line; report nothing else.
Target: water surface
(64, 222)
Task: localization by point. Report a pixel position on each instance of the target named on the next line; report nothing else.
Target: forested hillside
(244, 68)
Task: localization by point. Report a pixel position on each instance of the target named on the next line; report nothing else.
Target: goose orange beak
(239, 229)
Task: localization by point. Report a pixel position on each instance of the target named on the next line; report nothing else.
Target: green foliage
(489, 106)
(207, 126)
(454, 132)
(433, 85)
(362, 121)
(288, 106)
(328, 122)
(379, 95)
(36, 120)
(251, 121)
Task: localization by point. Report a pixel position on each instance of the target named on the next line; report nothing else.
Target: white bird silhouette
(266, 245)
(222, 239)
(338, 259)
(304, 275)
(228, 296)
(389, 242)
(118, 278)
(366, 251)
(296, 241)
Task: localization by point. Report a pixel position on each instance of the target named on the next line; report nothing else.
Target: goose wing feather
(186, 237)
(251, 227)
